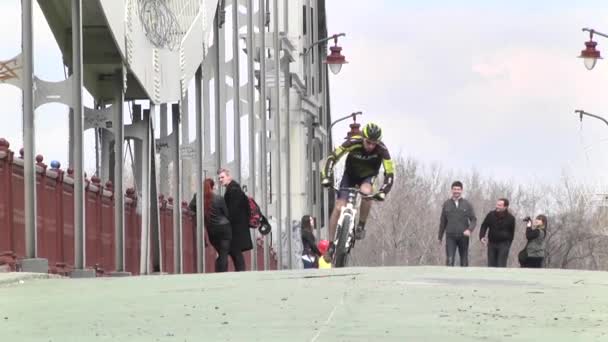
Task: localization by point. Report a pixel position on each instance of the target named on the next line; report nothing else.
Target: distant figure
(238, 209)
(217, 224)
(310, 252)
(535, 248)
(457, 222)
(501, 226)
(325, 259)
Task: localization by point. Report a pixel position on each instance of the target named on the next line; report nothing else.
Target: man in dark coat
(238, 214)
(501, 226)
(457, 222)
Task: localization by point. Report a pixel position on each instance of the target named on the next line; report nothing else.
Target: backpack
(257, 220)
(255, 214)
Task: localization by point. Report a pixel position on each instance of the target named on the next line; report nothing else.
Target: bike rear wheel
(341, 250)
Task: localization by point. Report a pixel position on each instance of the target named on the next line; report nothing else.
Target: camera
(527, 219)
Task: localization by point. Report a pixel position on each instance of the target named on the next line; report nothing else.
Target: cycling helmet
(372, 132)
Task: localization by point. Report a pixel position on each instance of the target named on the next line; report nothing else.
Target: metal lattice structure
(153, 50)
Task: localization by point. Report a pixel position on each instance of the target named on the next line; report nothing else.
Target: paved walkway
(358, 304)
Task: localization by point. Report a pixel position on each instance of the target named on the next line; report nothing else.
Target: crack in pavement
(333, 311)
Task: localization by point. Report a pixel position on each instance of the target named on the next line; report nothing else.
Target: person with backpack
(238, 210)
(216, 223)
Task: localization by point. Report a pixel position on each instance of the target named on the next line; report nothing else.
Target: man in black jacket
(501, 226)
(238, 214)
(457, 222)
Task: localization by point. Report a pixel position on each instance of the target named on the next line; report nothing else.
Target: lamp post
(590, 54)
(582, 112)
(335, 60)
(352, 115)
(329, 195)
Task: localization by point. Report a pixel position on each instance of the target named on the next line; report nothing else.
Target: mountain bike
(348, 220)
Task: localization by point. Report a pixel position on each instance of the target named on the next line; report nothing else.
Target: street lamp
(582, 112)
(353, 115)
(353, 125)
(590, 55)
(335, 60)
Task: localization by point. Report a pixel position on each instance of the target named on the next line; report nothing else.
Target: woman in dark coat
(217, 224)
(310, 252)
(238, 208)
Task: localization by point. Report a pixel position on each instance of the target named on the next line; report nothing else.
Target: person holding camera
(501, 226)
(533, 254)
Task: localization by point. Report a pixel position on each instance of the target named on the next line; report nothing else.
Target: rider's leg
(346, 182)
(333, 220)
(366, 203)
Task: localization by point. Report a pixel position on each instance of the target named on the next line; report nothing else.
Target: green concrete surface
(353, 304)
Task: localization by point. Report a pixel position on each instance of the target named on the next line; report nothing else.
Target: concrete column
(119, 198)
(79, 191)
(251, 116)
(137, 148)
(144, 260)
(200, 205)
(177, 198)
(31, 263)
(236, 100)
(263, 119)
(219, 79)
(186, 163)
(164, 162)
(276, 172)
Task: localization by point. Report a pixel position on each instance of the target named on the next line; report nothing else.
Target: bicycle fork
(350, 241)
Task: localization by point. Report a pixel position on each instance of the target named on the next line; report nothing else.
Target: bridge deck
(358, 304)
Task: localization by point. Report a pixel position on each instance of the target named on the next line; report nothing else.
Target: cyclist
(366, 153)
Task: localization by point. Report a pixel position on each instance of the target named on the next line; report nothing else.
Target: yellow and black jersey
(362, 164)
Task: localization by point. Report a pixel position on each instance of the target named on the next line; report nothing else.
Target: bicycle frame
(344, 238)
(351, 208)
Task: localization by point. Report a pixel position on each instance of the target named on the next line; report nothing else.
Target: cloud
(491, 86)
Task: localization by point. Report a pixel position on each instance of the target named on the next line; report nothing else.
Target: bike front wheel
(341, 249)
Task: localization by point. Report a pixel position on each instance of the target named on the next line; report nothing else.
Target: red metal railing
(55, 222)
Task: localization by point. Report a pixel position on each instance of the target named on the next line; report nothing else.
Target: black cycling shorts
(350, 182)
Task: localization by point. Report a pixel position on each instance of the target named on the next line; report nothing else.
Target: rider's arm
(338, 153)
(389, 171)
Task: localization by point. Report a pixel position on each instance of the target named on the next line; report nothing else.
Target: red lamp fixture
(335, 60)
(590, 54)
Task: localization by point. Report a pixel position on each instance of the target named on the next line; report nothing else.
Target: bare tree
(403, 230)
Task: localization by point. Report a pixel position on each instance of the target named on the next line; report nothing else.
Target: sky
(489, 86)
(51, 119)
(478, 85)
